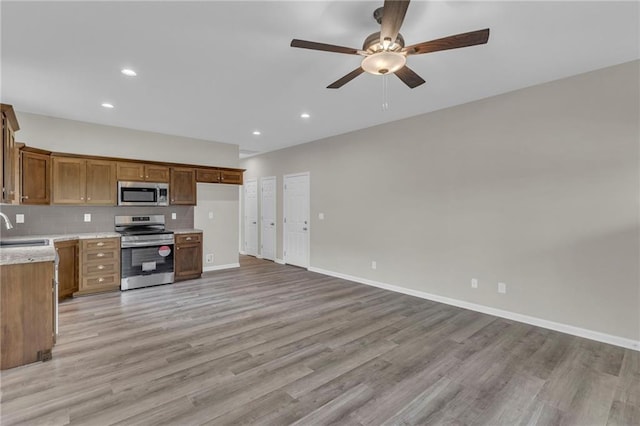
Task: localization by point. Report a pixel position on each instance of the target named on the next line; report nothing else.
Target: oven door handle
(146, 244)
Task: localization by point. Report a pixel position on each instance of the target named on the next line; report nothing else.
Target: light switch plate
(19, 218)
(174, 216)
(87, 217)
(321, 216)
(210, 215)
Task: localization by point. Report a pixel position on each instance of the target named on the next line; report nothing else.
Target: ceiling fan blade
(323, 46)
(409, 77)
(347, 78)
(452, 42)
(392, 18)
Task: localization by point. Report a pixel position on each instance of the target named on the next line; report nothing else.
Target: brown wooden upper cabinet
(233, 177)
(182, 188)
(36, 176)
(8, 163)
(142, 172)
(81, 181)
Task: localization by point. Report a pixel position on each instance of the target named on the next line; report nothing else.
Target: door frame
(284, 211)
(275, 216)
(244, 218)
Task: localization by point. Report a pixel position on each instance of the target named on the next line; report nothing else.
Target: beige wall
(538, 188)
(77, 137)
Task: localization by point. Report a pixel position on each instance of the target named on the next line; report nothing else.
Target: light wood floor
(272, 344)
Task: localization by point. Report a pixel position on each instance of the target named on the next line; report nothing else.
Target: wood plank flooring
(276, 345)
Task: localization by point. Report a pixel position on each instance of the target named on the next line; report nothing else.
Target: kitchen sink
(24, 243)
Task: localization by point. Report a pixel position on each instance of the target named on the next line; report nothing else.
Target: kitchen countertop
(32, 254)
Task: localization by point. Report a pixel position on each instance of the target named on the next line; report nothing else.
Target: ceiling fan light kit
(385, 52)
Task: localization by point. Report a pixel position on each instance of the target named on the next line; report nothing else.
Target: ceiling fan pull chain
(385, 93)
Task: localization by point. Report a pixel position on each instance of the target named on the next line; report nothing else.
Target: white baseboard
(220, 267)
(259, 256)
(551, 325)
(242, 252)
(279, 261)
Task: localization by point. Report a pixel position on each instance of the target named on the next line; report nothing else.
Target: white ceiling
(220, 70)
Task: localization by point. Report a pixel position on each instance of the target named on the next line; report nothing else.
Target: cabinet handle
(100, 255)
(100, 266)
(81, 198)
(100, 280)
(100, 244)
(25, 197)
(221, 177)
(177, 248)
(88, 198)
(188, 238)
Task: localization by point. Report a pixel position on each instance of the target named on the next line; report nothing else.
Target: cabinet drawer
(105, 281)
(102, 244)
(101, 256)
(101, 268)
(188, 238)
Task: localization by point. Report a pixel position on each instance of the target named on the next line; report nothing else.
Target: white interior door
(251, 217)
(268, 217)
(296, 219)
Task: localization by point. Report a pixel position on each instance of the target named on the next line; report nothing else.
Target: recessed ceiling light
(107, 105)
(128, 72)
(304, 115)
(256, 132)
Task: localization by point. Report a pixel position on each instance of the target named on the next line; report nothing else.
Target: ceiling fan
(385, 53)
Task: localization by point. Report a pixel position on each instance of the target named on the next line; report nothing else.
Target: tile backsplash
(39, 220)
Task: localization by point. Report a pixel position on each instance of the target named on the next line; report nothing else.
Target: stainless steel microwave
(143, 194)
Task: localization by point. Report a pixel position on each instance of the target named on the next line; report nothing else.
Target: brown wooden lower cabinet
(67, 268)
(99, 265)
(26, 312)
(188, 256)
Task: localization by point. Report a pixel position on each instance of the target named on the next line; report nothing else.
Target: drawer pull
(188, 238)
(100, 280)
(101, 267)
(100, 255)
(100, 244)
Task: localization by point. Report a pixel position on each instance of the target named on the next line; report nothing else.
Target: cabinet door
(182, 189)
(67, 268)
(101, 182)
(208, 176)
(131, 171)
(188, 261)
(36, 172)
(9, 166)
(69, 180)
(154, 173)
(231, 176)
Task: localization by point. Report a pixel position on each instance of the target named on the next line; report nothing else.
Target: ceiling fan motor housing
(372, 43)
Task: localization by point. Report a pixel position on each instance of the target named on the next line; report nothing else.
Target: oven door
(146, 266)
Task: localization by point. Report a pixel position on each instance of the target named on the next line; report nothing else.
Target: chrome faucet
(8, 223)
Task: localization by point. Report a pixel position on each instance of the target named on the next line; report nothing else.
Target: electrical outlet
(87, 217)
(210, 215)
(374, 264)
(209, 258)
(321, 216)
(19, 218)
(174, 216)
(474, 283)
(502, 288)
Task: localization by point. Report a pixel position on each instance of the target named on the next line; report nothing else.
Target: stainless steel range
(146, 254)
